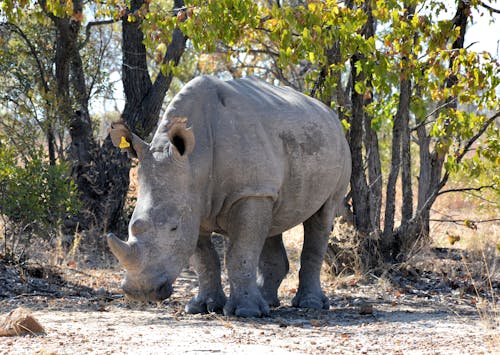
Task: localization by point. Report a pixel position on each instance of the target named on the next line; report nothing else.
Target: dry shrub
(482, 271)
(19, 322)
(351, 252)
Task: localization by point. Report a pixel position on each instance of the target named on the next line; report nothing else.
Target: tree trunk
(359, 188)
(144, 100)
(51, 145)
(70, 88)
(390, 198)
(374, 174)
(360, 191)
(406, 178)
(424, 177)
(102, 174)
(371, 141)
(431, 163)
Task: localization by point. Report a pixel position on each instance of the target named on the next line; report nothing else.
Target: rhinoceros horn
(125, 254)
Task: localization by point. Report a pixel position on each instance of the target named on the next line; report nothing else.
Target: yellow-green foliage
(34, 196)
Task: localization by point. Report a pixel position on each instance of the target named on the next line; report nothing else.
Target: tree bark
(406, 183)
(390, 198)
(359, 188)
(360, 191)
(370, 140)
(374, 174)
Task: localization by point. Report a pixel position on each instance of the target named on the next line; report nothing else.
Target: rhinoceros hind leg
(211, 297)
(316, 232)
(273, 267)
(248, 227)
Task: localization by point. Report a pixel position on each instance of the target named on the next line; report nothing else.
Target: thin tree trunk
(359, 188)
(360, 191)
(51, 145)
(371, 140)
(406, 183)
(374, 173)
(390, 199)
(431, 163)
(424, 177)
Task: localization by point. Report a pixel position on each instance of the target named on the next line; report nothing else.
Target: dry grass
(293, 240)
(479, 243)
(457, 210)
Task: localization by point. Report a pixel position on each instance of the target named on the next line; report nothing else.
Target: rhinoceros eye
(173, 229)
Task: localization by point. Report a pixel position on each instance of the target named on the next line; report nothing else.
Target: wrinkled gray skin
(263, 160)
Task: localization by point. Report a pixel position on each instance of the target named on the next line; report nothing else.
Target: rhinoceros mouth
(164, 291)
(160, 293)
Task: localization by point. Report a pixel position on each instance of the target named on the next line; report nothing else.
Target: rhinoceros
(245, 159)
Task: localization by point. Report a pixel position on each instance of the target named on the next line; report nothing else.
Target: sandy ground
(80, 330)
(402, 322)
(429, 306)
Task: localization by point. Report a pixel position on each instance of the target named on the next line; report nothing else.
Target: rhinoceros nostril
(139, 226)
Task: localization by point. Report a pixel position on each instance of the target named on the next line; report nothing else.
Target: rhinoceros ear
(181, 137)
(123, 138)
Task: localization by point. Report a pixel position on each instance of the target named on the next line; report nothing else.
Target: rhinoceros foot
(203, 304)
(271, 297)
(311, 300)
(247, 305)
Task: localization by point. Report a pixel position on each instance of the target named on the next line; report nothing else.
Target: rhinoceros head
(164, 227)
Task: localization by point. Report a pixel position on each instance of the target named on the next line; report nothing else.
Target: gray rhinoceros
(244, 159)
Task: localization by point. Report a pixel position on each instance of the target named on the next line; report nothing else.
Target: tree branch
(486, 6)
(463, 222)
(432, 113)
(459, 158)
(33, 51)
(479, 188)
(92, 24)
(473, 139)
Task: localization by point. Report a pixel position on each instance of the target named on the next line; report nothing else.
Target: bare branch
(463, 222)
(473, 139)
(479, 188)
(486, 6)
(33, 51)
(92, 24)
(432, 113)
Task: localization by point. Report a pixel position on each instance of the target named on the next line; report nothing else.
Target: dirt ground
(414, 310)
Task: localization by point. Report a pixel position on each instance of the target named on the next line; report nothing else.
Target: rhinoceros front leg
(211, 297)
(273, 267)
(316, 232)
(248, 226)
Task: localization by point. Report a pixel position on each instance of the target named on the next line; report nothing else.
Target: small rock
(365, 309)
(18, 322)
